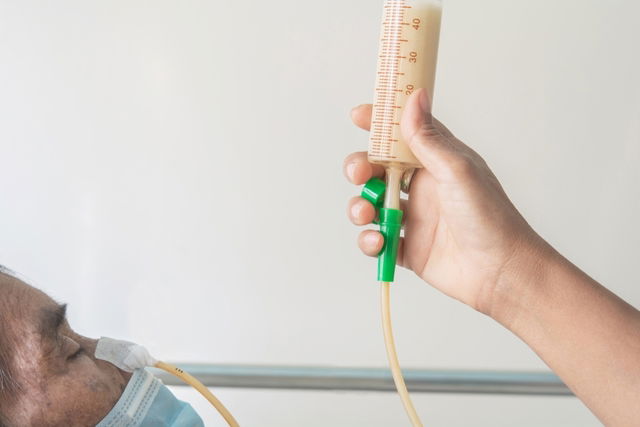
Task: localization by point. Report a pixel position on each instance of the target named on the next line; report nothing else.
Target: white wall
(172, 170)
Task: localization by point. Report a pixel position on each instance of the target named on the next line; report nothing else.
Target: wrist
(521, 277)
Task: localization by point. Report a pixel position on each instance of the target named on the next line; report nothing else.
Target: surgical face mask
(146, 402)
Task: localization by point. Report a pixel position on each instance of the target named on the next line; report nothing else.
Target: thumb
(434, 148)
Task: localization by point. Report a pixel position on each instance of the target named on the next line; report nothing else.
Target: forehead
(21, 303)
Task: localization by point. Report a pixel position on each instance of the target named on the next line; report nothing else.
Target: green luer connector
(373, 191)
(390, 226)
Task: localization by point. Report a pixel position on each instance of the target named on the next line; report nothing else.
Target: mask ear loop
(204, 391)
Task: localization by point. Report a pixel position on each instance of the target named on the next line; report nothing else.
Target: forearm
(585, 333)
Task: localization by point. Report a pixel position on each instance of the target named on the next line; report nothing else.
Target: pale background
(172, 170)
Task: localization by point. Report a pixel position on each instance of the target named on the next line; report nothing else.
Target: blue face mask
(146, 402)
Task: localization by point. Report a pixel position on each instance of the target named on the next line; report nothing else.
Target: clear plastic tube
(392, 355)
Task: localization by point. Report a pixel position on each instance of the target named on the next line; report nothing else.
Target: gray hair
(8, 384)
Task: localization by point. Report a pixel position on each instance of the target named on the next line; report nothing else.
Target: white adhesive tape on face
(123, 354)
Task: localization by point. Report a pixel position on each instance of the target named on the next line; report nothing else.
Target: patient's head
(48, 373)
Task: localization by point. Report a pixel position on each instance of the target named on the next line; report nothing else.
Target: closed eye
(77, 354)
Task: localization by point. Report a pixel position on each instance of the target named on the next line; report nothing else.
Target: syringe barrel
(407, 60)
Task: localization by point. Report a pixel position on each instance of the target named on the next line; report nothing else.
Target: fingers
(371, 242)
(358, 170)
(361, 116)
(431, 142)
(360, 211)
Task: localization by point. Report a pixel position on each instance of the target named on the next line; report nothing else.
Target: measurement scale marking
(383, 122)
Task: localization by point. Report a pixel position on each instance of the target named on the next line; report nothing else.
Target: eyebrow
(50, 321)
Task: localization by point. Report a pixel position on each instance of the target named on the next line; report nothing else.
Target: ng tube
(202, 389)
(390, 229)
(392, 355)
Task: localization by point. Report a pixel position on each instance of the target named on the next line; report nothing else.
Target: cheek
(103, 384)
(86, 394)
(97, 386)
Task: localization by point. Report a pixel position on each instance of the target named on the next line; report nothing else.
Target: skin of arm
(464, 237)
(585, 333)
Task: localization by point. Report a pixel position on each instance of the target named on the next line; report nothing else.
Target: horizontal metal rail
(373, 379)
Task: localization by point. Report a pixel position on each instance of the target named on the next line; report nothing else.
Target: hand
(461, 231)
(464, 237)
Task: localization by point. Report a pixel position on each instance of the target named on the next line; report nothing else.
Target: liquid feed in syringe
(406, 62)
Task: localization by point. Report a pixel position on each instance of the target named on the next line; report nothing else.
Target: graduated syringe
(407, 61)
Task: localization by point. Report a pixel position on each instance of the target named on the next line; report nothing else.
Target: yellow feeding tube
(202, 389)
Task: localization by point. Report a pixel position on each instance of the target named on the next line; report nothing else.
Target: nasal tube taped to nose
(123, 354)
(130, 357)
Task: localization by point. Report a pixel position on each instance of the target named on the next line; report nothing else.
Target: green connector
(373, 191)
(390, 226)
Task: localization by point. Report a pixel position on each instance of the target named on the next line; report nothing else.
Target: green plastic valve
(390, 227)
(373, 191)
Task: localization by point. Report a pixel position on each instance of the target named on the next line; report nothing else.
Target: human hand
(461, 230)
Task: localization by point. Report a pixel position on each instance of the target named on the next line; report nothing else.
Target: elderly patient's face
(60, 381)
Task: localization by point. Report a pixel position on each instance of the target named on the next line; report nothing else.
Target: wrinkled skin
(61, 382)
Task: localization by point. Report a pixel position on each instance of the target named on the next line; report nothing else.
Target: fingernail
(372, 239)
(355, 211)
(351, 168)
